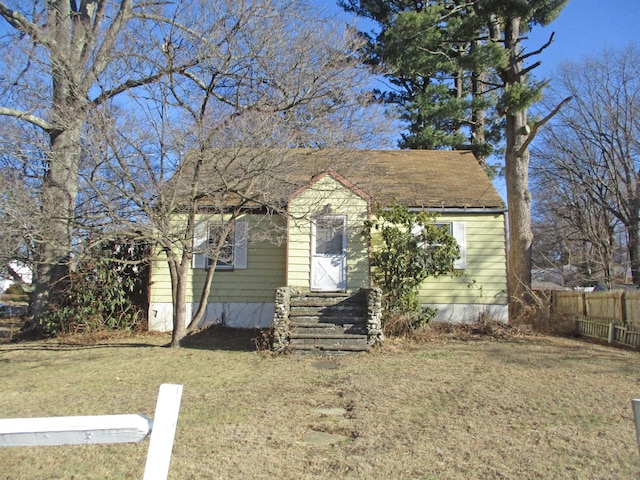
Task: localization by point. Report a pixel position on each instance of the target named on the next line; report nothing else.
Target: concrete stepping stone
(331, 412)
(323, 439)
(325, 365)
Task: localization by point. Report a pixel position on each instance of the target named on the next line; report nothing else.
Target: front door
(329, 254)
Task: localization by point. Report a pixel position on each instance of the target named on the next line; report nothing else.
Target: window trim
(458, 231)
(201, 235)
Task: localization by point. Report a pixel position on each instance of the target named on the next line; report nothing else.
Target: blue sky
(583, 28)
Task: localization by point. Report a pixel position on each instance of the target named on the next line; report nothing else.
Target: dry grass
(520, 407)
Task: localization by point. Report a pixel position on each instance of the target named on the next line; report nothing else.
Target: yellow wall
(257, 283)
(485, 263)
(267, 262)
(329, 197)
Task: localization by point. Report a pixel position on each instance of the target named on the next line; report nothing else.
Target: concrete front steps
(328, 322)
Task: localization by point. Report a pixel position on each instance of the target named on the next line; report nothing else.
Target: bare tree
(22, 226)
(572, 233)
(591, 156)
(60, 61)
(210, 143)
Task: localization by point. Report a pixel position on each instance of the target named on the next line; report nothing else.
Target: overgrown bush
(403, 324)
(408, 247)
(99, 297)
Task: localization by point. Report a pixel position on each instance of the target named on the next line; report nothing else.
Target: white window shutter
(461, 237)
(200, 245)
(241, 244)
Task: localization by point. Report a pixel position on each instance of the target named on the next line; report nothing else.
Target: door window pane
(329, 235)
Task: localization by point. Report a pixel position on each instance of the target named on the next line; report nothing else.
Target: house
(20, 270)
(317, 245)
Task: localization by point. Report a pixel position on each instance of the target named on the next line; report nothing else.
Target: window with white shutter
(233, 254)
(457, 230)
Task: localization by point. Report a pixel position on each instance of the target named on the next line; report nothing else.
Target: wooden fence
(613, 316)
(619, 306)
(628, 335)
(19, 432)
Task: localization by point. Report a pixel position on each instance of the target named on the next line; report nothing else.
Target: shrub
(404, 324)
(16, 293)
(15, 289)
(99, 297)
(409, 248)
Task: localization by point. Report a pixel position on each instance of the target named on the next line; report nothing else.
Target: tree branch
(133, 83)
(104, 54)
(530, 67)
(27, 117)
(538, 51)
(22, 24)
(536, 126)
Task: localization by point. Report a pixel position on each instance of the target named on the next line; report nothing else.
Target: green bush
(98, 298)
(15, 289)
(408, 247)
(16, 293)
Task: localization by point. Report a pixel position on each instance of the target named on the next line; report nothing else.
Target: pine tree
(445, 57)
(437, 67)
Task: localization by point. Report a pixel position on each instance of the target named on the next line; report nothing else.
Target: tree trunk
(634, 251)
(60, 183)
(519, 200)
(478, 137)
(180, 305)
(517, 180)
(59, 192)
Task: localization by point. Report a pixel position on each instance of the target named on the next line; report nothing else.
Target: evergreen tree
(438, 68)
(507, 22)
(472, 48)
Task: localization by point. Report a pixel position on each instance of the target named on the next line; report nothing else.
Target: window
(329, 235)
(233, 254)
(457, 229)
(445, 227)
(225, 256)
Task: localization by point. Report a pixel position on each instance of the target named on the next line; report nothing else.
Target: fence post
(163, 432)
(612, 332)
(17, 432)
(636, 416)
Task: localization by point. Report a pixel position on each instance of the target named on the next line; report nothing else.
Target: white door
(329, 254)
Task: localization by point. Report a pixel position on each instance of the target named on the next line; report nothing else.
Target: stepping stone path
(324, 439)
(331, 412)
(325, 365)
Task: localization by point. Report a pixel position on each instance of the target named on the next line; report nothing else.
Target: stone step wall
(309, 321)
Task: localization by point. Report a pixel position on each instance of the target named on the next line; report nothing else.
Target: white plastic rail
(19, 432)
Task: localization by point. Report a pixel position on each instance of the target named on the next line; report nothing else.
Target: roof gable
(339, 179)
(415, 178)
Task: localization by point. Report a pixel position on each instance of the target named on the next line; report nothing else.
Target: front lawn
(532, 407)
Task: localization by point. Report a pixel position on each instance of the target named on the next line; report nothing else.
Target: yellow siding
(257, 283)
(330, 197)
(270, 266)
(486, 264)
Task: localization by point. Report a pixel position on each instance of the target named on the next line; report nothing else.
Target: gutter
(460, 210)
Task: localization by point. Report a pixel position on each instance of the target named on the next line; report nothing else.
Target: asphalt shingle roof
(416, 178)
